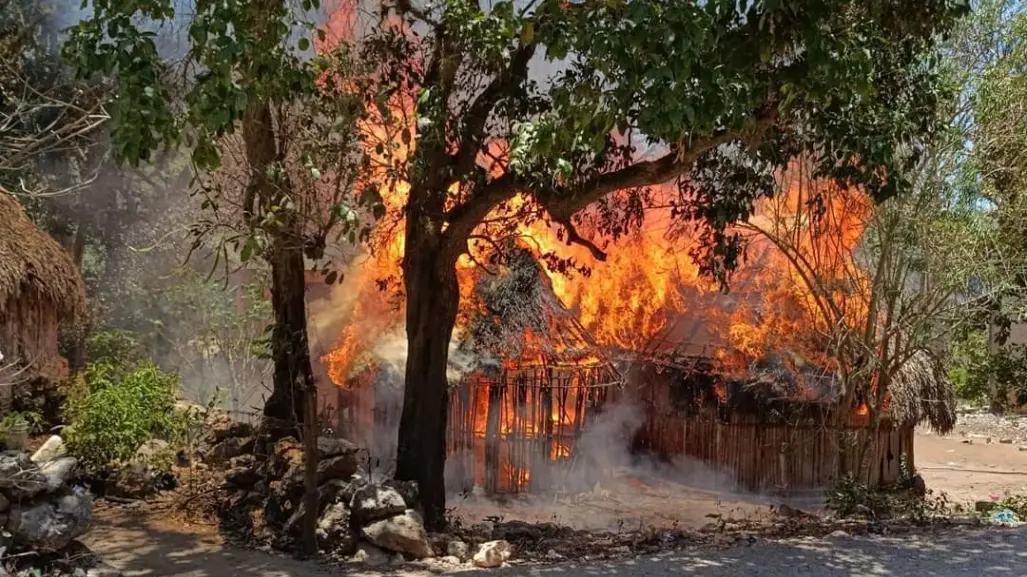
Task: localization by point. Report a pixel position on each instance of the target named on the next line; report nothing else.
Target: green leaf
(304, 44)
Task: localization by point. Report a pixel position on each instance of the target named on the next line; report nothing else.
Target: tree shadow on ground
(992, 552)
(140, 547)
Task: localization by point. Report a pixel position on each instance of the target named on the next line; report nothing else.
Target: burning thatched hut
(773, 429)
(39, 287)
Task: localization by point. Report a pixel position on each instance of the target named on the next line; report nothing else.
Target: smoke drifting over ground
(610, 487)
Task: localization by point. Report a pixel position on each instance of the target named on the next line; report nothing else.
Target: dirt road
(145, 545)
(147, 551)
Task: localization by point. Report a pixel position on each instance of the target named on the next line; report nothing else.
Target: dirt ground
(984, 457)
(963, 465)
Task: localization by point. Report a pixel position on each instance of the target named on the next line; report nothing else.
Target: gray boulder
(54, 448)
(334, 530)
(20, 478)
(51, 525)
(229, 448)
(376, 502)
(458, 549)
(59, 472)
(402, 533)
(328, 447)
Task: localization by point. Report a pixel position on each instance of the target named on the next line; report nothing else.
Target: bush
(111, 411)
(114, 346)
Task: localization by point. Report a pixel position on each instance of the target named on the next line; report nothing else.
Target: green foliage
(33, 419)
(971, 366)
(977, 372)
(112, 410)
(852, 497)
(115, 347)
(1015, 503)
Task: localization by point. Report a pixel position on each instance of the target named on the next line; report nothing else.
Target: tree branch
(473, 132)
(676, 162)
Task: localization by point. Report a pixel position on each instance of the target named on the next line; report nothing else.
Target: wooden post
(492, 432)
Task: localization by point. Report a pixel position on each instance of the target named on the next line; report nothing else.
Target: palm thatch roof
(39, 285)
(922, 394)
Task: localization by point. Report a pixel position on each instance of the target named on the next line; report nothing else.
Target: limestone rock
(492, 554)
(458, 549)
(53, 448)
(153, 453)
(59, 472)
(328, 447)
(20, 478)
(51, 525)
(334, 530)
(407, 489)
(230, 448)
(376, 502)
(403, 533)
(370, 555)
(337, 467)
(222, 427)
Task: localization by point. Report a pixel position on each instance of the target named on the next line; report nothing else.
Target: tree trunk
(77, 355)
(310, 460)
(429, 276)
(285, 410)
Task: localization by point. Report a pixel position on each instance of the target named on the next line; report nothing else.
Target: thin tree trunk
(285, 409)
(77, 355)
(432, 290)
(310, 459)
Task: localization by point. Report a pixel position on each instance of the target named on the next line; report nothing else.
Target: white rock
(370, 555)
(492, 554)
(374, 503)
(53, 448)
(403, 533)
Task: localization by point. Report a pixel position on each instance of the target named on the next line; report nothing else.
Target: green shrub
(112, 410)
(117, 347)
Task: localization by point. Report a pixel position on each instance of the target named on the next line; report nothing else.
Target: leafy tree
(261, 111)
(985, 60)
(271, 135)
(571, 104)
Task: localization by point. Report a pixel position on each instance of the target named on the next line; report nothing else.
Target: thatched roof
(922, 394)
(35, 271)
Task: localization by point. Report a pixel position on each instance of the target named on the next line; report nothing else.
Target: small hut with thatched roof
(39, 288)
(772, 430)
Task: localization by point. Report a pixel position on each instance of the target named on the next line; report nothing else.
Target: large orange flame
(799, 279)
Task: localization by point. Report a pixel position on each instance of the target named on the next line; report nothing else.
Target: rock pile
(44, 512)
(375, 523)
(41, 508)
